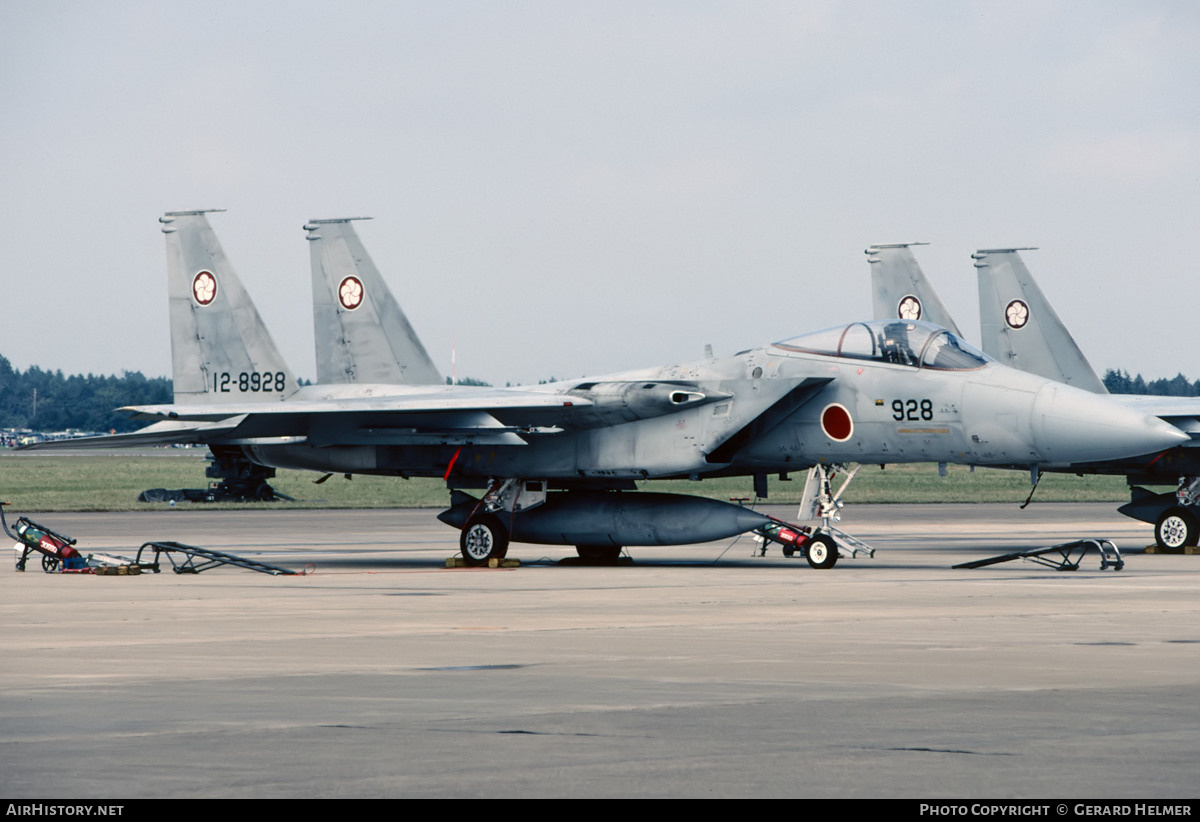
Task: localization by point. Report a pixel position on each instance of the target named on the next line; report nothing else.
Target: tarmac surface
(697, 671)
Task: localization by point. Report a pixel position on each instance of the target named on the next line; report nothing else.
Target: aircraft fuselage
(770, 409)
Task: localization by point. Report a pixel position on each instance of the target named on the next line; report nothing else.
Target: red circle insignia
(204, 287)
(350, 293)
(836, 422)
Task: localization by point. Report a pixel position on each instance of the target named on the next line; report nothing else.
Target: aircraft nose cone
(1071, 425)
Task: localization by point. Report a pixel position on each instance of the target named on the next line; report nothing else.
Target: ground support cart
(57, 550)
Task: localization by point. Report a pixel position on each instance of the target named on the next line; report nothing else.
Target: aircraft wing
(446, 400)
(165, 432)
(480, 416)
(399, 415)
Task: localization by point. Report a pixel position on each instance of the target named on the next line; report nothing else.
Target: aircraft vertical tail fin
(220, 349)
(899, 288)
(361, 333)
(1020, 328)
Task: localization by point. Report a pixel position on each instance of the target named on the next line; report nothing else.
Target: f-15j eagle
(560, 462)
(1019, 327)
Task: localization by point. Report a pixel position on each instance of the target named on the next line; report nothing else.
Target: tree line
(51, 401)
(1119, 382)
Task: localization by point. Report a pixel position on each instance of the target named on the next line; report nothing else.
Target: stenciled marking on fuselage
(912, 410)
(251, 382)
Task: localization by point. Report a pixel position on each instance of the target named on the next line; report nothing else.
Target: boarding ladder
(1069, 555)
(208, 559)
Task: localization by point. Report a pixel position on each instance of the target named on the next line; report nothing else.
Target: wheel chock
(494, 562)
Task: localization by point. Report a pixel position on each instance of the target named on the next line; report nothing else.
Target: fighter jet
(559, 463)
(1021, 328)
(361, 334)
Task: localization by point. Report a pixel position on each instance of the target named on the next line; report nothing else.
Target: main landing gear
(1176, 527)
(483, 538)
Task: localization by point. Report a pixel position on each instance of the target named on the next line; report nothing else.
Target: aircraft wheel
(482, 539)
(1176, 528)
(822, 552)
(50, 564)
(607, 553)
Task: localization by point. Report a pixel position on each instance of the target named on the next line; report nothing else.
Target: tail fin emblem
(909, 308)
(204, 287)
(1016, 314)
(350, 293)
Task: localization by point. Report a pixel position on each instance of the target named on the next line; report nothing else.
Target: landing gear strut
(824, 504)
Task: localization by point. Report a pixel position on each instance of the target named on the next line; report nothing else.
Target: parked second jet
(1021, 328)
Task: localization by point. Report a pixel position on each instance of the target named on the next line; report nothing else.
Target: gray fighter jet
(1021, 328)
(559, 463)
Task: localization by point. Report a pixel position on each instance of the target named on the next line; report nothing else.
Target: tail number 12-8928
(252, 382)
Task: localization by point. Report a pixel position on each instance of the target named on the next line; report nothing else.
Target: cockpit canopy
(901, 342)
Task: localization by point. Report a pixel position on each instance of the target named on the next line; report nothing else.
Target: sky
(564, 188)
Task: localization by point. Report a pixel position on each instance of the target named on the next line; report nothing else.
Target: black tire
(822, 552)
(1176, 527)
(483, 538)
(605, 553)
(50, 564)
